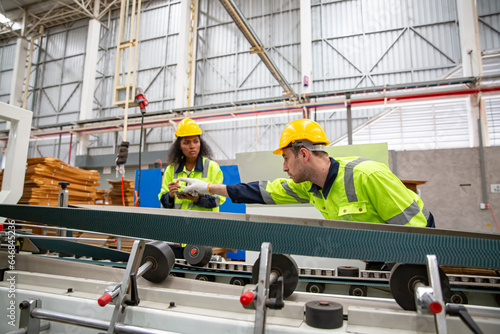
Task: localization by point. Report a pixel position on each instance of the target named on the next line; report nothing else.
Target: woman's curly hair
(175, 155)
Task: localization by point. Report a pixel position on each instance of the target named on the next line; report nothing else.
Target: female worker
(189, 157)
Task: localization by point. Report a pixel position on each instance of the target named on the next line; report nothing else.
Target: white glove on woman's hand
(195, 186)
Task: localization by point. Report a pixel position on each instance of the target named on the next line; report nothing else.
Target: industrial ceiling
(38, 13)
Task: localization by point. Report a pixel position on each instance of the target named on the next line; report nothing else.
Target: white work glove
(195, 186)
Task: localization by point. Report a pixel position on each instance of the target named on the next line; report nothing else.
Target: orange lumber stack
(115, 192)
(41, 183)
(102, 197)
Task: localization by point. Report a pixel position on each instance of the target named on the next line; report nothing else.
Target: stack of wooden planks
(41, 183)
(115, 193)
(102, 197)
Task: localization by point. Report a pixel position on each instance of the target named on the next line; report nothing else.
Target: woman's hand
(195, 199)
(173, 187)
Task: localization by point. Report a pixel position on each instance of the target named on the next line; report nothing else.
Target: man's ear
(305, 154)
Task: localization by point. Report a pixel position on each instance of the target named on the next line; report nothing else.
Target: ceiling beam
(258, 47)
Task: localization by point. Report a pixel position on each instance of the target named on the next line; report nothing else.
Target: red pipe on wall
(70, 147)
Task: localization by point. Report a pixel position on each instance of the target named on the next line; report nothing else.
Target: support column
(472, 65)
(186, 54)
(16, 85)
(16, 88)
(306, 47)
(89, 72)
(469, 38)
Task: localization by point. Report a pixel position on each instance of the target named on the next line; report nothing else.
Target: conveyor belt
(79, 249)
(373, 242)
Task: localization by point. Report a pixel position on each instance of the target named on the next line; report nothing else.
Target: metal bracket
(263, 288)
(428, 297)
(435, 283)
(132, 268)
(29, 324)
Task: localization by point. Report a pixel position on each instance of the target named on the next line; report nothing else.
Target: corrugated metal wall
(493, 113)
(489, 23)
(373, 43)
(357, 43)
(226, 71)
(7, 54)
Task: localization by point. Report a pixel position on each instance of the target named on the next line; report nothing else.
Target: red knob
(247, 298)
(435, 307)
(105, 299)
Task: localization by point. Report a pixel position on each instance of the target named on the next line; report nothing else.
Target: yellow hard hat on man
(187, 127)
(303, 132)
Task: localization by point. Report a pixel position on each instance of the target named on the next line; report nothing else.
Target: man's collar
(330, 178)
(198, 168)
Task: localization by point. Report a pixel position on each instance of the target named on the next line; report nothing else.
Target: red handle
(105, 299)
(247, 298)
(435, 307)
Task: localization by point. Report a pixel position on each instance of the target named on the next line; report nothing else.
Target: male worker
(353, 189)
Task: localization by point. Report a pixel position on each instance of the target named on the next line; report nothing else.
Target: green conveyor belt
(409, 246)
(79, 249)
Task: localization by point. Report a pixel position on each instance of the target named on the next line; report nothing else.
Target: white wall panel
(171, 48)
(431, 11)
(417, 127)
(54, 46)
(76, 41)
(154, 23)
(7, 54)
(5, 81)
(73, 69)
(493, 114)
(69, 98)
(52, 73)
(152, 54)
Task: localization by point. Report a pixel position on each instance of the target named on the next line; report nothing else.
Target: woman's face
(190, 146)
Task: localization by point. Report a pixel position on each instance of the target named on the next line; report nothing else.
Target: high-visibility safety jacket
(356, 189)
(206, 170)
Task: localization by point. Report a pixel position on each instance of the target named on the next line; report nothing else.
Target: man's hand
(195, 185)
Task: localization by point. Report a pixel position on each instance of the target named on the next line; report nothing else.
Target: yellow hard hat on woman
(187, 127)
(303, 132)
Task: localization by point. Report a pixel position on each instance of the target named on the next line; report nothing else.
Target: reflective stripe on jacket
(363, 191)
(206, 170)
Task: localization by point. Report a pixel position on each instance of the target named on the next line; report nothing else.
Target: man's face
(294, 166)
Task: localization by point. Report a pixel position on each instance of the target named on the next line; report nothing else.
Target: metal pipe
(349, 118)
(70, 147)
(77, 230)
(91, 323)
(482, 162)
(43, 327)
(69, 319)
(263, 288)
(36, 236)
(138, 198)
(145, 267)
